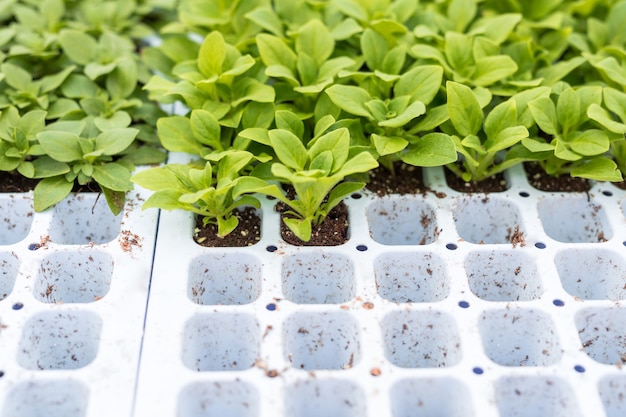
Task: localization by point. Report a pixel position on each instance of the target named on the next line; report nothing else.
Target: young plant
(88, 154)
(612, 117)
(315, 171)
(213, 192)
(568, 139)
(479, 139)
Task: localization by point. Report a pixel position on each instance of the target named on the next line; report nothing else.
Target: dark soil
(494, 184)
(332, 232)
(15, 183)
(544, 182)
(408, 179)
(247, 233)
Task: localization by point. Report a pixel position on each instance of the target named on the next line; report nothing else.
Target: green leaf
(461, 13)
(113, 176)
(615, 101)
(212, 54)
(599, 169)
(502, 116)
(506, 138)
(257, 134)
(45, 167)
(559, 70)
(544, 113)
(115, 200)
(206, 129)
(341, 191)
(50, 191)
(351, 99)
(122, 81)
(537, 146)
(414, 110)
(465, 112)
(524, 115)
(288, 120)
(77, 45)
(289, 149)
(386, 145)
(361, 162)
(603, 117)
(568, 110)
(458, 51)
(374, 48)
(300, 227)
(499, 27)
(590, 142)
(315, 40)
(176, 135)
(492, 69)
(267, 18)
(433, 149)
(115, 141)
(62, 146)
(420, 83)
(274, 51)
(16, 77)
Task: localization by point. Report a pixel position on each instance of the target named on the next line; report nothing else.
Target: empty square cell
(519, 337)
(218, 399)
(503, 275)
(59, 340)
(411, 277)
(84, 218)
(16, 217)
(226, 279)
(592, 274)
(488, 220)
(573, 219)
(329, 340)
(613, 394)
(9, 267)
(441, 397)
(49, 398)
(74, 277)
(325, 397)
(602, 332)
(535, 396)
(402, 221)
(421, 339)
(220, 342)
(318, 278)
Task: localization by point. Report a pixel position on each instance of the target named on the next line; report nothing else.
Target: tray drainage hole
(451, 246)
(356, 196)
(271, 248)
(540, 245)
(1, 374)
(478, 370)
(524, 194)
(34, 246)
(361, 248)
(464, 304)
(18, 306)
(558, 303)
(271, 307)
(579, 369)
(607, 193)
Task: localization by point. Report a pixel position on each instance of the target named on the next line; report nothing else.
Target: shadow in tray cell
(9, 268)
(613, 394)
(16, 218)
(50, 398)
(74, 277)
(218, 399)
(574, 219)
(59, 340)
(592, 274)
(602, 332)
(224, 279)
(402, 221)
(488, 220)
(220, 342)
(411, 277)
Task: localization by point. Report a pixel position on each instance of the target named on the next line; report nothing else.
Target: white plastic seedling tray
(73, 290)
(428, 310)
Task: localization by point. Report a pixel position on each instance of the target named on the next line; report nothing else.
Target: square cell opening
(613, 394)
(519, 337)
(533, 396)
(329, 340)
(59, 340)
(74, 277)
(318, 278)
(224, 279)
(431, 397)
(220, 342)
(573, 219)
(421, 339)
(505, 275)
(402, 221)
(602, 332)
(16, 218)
(411, 277)
(84, 218)
(218, 399)
(325, 397)
(9, 268)
(50, 398)
(488, 220)
(592, 274)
